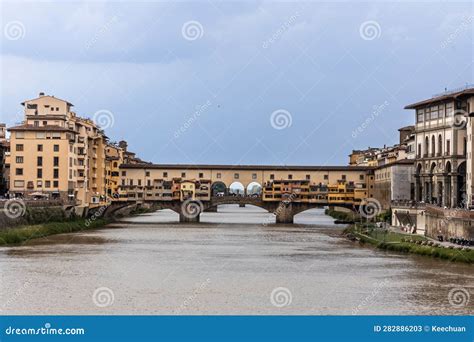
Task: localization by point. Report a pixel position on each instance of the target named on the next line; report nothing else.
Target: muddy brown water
(233, 262)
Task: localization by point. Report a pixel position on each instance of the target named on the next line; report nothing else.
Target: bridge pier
(284, 213)
(189, 219)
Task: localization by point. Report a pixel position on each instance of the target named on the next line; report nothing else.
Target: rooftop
(243, 167)
(40, 128)
(448, 95)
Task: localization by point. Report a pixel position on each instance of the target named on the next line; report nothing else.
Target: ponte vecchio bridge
(190, 189)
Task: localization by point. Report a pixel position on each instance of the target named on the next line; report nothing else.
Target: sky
(261, 82)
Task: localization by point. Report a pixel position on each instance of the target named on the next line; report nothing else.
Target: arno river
(230, 263)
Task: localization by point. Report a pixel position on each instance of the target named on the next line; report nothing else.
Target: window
(361, 177)
(448, 147)
(290, 176)
(139, 182)
(124, 173)
(272, 176)
(19, 184)
(308, 177)
(19, 147)
(165, 174)
(440, 145)
(201, 175)
(183, 174)
(55, 184)
(47, 184)
(39, 173)
(56, 148)
(236, 176)
(343, 177)
(433, 145)
(419, 150)
(40, 135)
(40, 148)
(55, 173)
(20, 135)
(19, 160)
(39, 184)
(55, 161)
(19, 172)
(326, 177)
(56, 135)
(131, 182)
(39, 161)
(420, 115)
(123, 182)
(147, 173)
(254, 176)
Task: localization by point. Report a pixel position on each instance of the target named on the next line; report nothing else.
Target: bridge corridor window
(236, 176)
(165, 174)
(326, 177)
(290, 176)
(272, 176)
(183, 174)
(308, 177)
(147, 174)
(201, 175)
(254, 176)
(218, 175)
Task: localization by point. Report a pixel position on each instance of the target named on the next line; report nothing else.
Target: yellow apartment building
(56, 154)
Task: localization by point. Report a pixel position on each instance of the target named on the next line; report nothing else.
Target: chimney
(41, 94)
(123, 145)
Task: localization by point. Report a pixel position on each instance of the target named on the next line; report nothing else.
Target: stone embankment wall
(17, 213)
(449, 223)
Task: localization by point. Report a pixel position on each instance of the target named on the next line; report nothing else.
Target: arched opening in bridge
(237, 189)
(254, 189)
(218, 189)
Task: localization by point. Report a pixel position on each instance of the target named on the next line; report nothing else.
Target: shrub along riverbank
(18, 235)
(416, 244)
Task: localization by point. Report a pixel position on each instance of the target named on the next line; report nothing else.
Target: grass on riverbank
(342, 215)
(18, 235)
(404, 243)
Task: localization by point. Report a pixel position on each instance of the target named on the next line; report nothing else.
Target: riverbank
(415, 244)
(21, 234)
